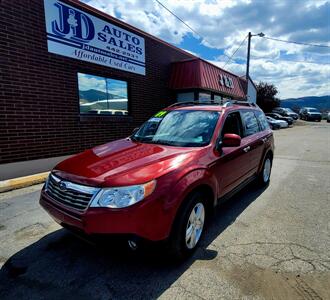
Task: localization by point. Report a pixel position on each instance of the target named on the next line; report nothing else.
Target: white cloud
(291, 79)
(88, 82)
(224, 24)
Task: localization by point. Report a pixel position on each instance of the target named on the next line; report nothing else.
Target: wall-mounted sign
(226, 81)
(74, 33)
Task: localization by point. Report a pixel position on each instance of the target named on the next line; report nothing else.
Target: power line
(187, 25)
(291, 60)
(230, 58)
(172, 13)
(295, 42)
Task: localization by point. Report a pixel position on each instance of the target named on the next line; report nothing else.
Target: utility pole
(248, 57)
(250, 35)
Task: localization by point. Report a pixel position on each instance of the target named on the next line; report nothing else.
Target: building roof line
(209, 63)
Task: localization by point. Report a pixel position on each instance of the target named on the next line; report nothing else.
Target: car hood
(314, 113)
(124, 162)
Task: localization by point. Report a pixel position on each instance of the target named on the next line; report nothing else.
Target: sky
(222, 25)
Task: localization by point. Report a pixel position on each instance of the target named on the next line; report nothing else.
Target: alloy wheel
(195, 225)
(267, 169)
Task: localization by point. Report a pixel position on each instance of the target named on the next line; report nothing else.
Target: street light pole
(248, 57)
(247, 76)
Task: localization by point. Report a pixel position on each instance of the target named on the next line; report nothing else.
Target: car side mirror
(135, 130)
(231, 140)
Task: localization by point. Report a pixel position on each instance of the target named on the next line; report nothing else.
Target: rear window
(262, 120)
(250, 123)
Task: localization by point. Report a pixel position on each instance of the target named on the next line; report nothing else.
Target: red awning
(200, 74)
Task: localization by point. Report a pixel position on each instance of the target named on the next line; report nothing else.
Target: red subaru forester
(162, 182)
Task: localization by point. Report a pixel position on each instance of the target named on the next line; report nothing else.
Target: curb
(20, 182)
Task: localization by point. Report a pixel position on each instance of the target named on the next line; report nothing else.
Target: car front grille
(70, 194)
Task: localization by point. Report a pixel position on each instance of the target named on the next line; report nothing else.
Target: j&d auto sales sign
(74, 33)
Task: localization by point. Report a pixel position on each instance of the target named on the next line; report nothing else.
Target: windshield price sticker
(161, 114)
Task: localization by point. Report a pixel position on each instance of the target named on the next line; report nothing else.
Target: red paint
(200, 74)
(177, 170)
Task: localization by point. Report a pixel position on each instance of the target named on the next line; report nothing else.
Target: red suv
(162, 182)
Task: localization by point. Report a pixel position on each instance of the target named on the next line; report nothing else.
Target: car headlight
(120, 197)
(47, 181)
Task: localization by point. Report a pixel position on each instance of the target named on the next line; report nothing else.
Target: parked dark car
(285, 112)
(163, 182)
(292, 114)
(328, 117)
(276, 116)
(311, 114)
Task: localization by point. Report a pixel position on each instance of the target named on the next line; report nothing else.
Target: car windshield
(312, 110)
(289, 110)
(183, 128)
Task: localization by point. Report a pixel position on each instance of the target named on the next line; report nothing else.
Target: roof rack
(222, 103)
(244, 103)
(187, 103)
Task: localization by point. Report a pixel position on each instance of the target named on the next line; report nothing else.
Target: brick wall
(39, 105)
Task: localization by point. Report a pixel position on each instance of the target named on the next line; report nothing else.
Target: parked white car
(283, 124)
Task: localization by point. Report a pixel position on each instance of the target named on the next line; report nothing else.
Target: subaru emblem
(62, 186)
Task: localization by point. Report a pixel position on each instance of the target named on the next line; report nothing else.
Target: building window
(204, 97)
(217, 98)
(102, 96)
(183, 97)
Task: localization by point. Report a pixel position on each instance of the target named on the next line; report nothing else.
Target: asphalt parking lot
(268, 243)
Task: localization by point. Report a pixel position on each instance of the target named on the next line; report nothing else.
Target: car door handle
(247, 149)
(264, 140)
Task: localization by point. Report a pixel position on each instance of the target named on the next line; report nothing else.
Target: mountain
(95, 95)
(322, 103)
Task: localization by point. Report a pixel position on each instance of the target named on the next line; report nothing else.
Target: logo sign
(74, 33)
(226, 81)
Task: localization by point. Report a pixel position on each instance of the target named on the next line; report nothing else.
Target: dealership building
(72, 77)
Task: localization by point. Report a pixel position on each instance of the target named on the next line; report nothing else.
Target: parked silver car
(282, 124)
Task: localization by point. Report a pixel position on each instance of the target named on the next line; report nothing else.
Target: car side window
(233, 124)
(263, 123)
(250, 123)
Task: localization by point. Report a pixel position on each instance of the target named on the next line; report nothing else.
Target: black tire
(261, 178)
(177, 247)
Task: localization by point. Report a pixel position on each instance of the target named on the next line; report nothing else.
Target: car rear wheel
(188, 227)
(264, 175)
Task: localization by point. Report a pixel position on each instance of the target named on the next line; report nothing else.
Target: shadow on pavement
(60, 265)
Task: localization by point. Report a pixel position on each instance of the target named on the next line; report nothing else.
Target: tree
(266, 99)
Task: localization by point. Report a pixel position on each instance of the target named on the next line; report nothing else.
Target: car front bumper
(147, 219)
(314, 117)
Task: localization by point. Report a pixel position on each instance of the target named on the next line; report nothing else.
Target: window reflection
(101, 95)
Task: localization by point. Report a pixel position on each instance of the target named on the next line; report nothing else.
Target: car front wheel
(188, 227)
